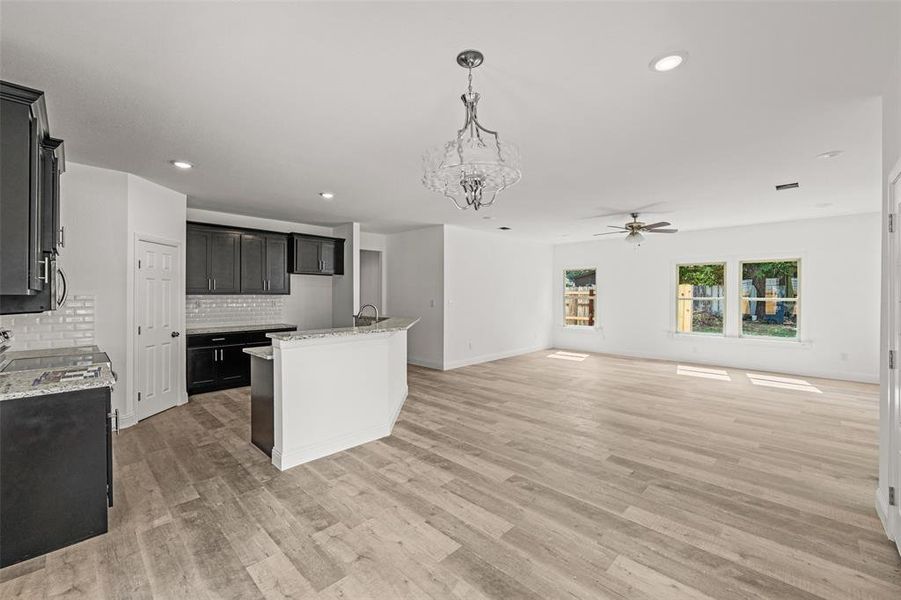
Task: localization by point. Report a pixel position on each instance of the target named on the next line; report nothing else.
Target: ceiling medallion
(475, 166)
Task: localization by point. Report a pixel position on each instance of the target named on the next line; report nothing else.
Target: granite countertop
(23, 384)
(207, 329)
(386, 326)
(264, 352)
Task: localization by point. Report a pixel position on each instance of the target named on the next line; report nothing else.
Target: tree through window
(701, 298)
(769, 298)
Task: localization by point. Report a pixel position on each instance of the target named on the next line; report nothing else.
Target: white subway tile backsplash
(71, 325)
(233, 310)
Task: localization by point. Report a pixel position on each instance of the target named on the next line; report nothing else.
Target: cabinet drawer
(231, 338)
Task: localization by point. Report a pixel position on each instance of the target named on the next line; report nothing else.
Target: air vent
(787, 186)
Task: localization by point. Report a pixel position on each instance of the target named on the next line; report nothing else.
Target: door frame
(890, 514)
(131, 417)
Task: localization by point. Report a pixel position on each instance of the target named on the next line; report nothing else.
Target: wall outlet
(431, 304)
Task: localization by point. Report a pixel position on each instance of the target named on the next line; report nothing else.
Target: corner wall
(416, 289)
(497, 296)
(839, 326)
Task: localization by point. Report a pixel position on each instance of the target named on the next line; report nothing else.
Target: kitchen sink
(367, 321)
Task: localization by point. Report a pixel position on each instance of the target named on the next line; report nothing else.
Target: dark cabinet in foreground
(55, 471)
(30, 165)
(264, 264)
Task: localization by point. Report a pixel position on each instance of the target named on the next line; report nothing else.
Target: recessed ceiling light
(181, 164)
(830, 154)
(326, 195)
(668, 61)
(504, 228)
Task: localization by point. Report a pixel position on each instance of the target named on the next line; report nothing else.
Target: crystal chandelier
(476, 165)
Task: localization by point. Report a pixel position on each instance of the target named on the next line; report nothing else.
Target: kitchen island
(333, 389)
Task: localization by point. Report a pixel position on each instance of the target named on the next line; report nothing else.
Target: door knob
(175, 334)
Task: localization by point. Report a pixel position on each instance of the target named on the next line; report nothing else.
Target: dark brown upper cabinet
(30, 165)
(213, 261)
(264, 264)
(316, 255)
(224, 260)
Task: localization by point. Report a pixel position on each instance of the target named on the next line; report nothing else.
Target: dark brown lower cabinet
(218, 362)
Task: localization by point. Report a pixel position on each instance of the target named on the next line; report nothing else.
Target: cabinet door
(234, 365)
(197, 274)
(49, 200)
(327, 256)
(21, 267)
(307, 256)
(225, 261)
(253, 264)
(202, 364)
(278, 280)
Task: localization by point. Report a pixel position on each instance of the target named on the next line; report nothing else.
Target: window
(769, 298)
(700, 298)
(579, 297)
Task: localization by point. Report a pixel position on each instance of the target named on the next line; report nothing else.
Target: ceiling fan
(635, 228)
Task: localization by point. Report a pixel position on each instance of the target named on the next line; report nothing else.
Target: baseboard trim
(309, 452)
(839, 376)
(882, 511)
(127, 420)
(491, 357)
(422, 362)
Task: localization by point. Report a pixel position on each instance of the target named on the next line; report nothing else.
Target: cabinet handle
(214, 284)
(209, 284)
(217, 339)
(215, 356)
(114, 415)
(222, 354)
(62, 237)
(46, 277)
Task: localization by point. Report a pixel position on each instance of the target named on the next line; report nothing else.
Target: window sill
(581, 328)
(745, 339)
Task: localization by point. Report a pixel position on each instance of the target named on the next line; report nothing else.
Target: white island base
(337, 388)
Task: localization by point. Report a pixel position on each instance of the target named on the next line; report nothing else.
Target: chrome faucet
(359, 315)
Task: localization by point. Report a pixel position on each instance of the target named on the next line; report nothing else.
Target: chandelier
(475, 166)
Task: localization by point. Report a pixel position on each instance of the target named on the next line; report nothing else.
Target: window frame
(597, 316)
(724, 298)
(797, 300)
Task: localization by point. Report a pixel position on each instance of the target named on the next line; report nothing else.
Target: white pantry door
(157, 337)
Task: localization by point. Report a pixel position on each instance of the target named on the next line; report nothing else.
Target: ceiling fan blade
(608, 232)
(660, 230)
(618, 227)
(655, 225)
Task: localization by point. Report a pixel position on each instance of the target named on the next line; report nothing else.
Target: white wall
(839, 322)
(94, 211)
(346, 288)
(155, 213)
(498, 296)
(371, 279)
(309, 306)
(378, 242)
(415, 288)
(102, 210)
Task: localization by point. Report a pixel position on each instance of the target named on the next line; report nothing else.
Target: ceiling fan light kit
(635, 228)
(475, 166)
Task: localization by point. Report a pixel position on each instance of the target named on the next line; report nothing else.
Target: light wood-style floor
(527, 478)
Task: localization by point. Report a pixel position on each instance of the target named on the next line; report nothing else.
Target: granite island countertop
(264, 352)
(208, 329)
(388, 325)
(24, 384)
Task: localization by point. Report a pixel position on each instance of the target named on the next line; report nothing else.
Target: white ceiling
(276, 102)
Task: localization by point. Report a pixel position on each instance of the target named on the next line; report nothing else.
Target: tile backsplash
(71, 325)
(233, 310)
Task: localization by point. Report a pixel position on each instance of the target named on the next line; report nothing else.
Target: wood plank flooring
(526, 478)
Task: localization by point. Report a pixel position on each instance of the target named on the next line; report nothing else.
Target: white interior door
(157, 336)
(894, 519)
